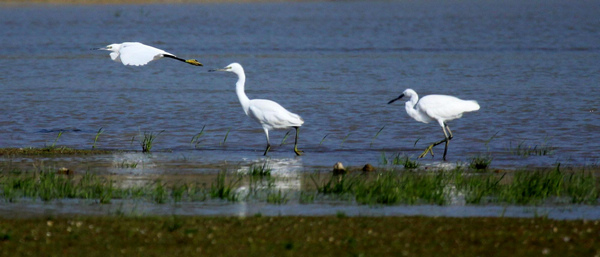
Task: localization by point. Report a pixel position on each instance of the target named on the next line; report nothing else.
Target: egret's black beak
(395, 99)
(98, 48)
(213, 70)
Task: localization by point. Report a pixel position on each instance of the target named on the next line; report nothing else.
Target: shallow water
(533, 67)
(128, 208)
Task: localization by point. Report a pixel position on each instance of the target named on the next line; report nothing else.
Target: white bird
(440, 108)
(138, 54)
(269, 114)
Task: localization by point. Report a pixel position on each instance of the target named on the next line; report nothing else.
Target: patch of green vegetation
(48, 185)
(480, 162)
(277, 197)
(127, 165)
(224, 187)
(408, 188)
(524, 150)
(147, 140)
(196, 139)
(530, 187)
(260, 170)
(399, 160)
(385, 187)
(337, 235)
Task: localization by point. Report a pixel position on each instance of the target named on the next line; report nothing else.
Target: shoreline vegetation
(395, 181)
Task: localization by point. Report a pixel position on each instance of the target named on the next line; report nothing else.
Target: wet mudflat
(298, 236)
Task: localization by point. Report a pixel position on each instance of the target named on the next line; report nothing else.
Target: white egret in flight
(138, 54)
(269, 114)
(440, 108)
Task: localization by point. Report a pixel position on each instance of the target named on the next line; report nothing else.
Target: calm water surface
(533, 67)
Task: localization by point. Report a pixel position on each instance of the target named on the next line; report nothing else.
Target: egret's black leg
(446, 140)
(298, 152)
(267, 150)
(190, 61)
(268, 141)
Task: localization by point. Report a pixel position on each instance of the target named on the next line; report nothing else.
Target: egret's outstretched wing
(138, 54)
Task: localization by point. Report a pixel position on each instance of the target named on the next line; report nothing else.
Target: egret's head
(112, 47)
(408, 93)
(234, 67)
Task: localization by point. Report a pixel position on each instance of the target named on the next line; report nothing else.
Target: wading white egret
(440, 108)
(269, 114)
(138, 54)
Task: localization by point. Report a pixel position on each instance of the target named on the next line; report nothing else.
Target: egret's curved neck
(410, 106)
(239, 90)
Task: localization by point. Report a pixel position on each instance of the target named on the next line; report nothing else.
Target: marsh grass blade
(376, 135)
(100, 131)
(287, 134)
(196, 138)
(225, 138)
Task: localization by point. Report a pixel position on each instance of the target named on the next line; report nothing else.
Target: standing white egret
(269, 114)
(440, 108)
(138, 54)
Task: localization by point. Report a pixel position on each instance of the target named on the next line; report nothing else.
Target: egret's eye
(109, 47)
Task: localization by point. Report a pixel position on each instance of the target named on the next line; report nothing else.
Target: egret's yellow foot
(298, 152)
(427, 150)
(193, 62)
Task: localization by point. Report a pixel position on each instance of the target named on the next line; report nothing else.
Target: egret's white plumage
(138, 54)
(268, 113)
(440, 108)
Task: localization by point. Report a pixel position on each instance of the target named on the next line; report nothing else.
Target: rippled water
(533, 67)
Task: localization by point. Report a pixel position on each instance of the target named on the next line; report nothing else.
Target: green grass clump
(387, 188)
(260, 170)
(408, 188)
(400, 160)
(529, 187)
(48, 185)
(147, 140)
(527, 150)
(224, 188)
(277, 197)
(480, 163)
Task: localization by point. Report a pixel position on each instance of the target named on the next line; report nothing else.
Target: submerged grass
(399, 160)
(147, 139)
(385, 187)
(530, 187)
(438, 187)
(524, 150)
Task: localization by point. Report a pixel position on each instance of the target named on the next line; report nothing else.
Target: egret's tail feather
(471, 106)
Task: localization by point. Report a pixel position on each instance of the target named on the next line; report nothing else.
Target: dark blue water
(533, 67)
